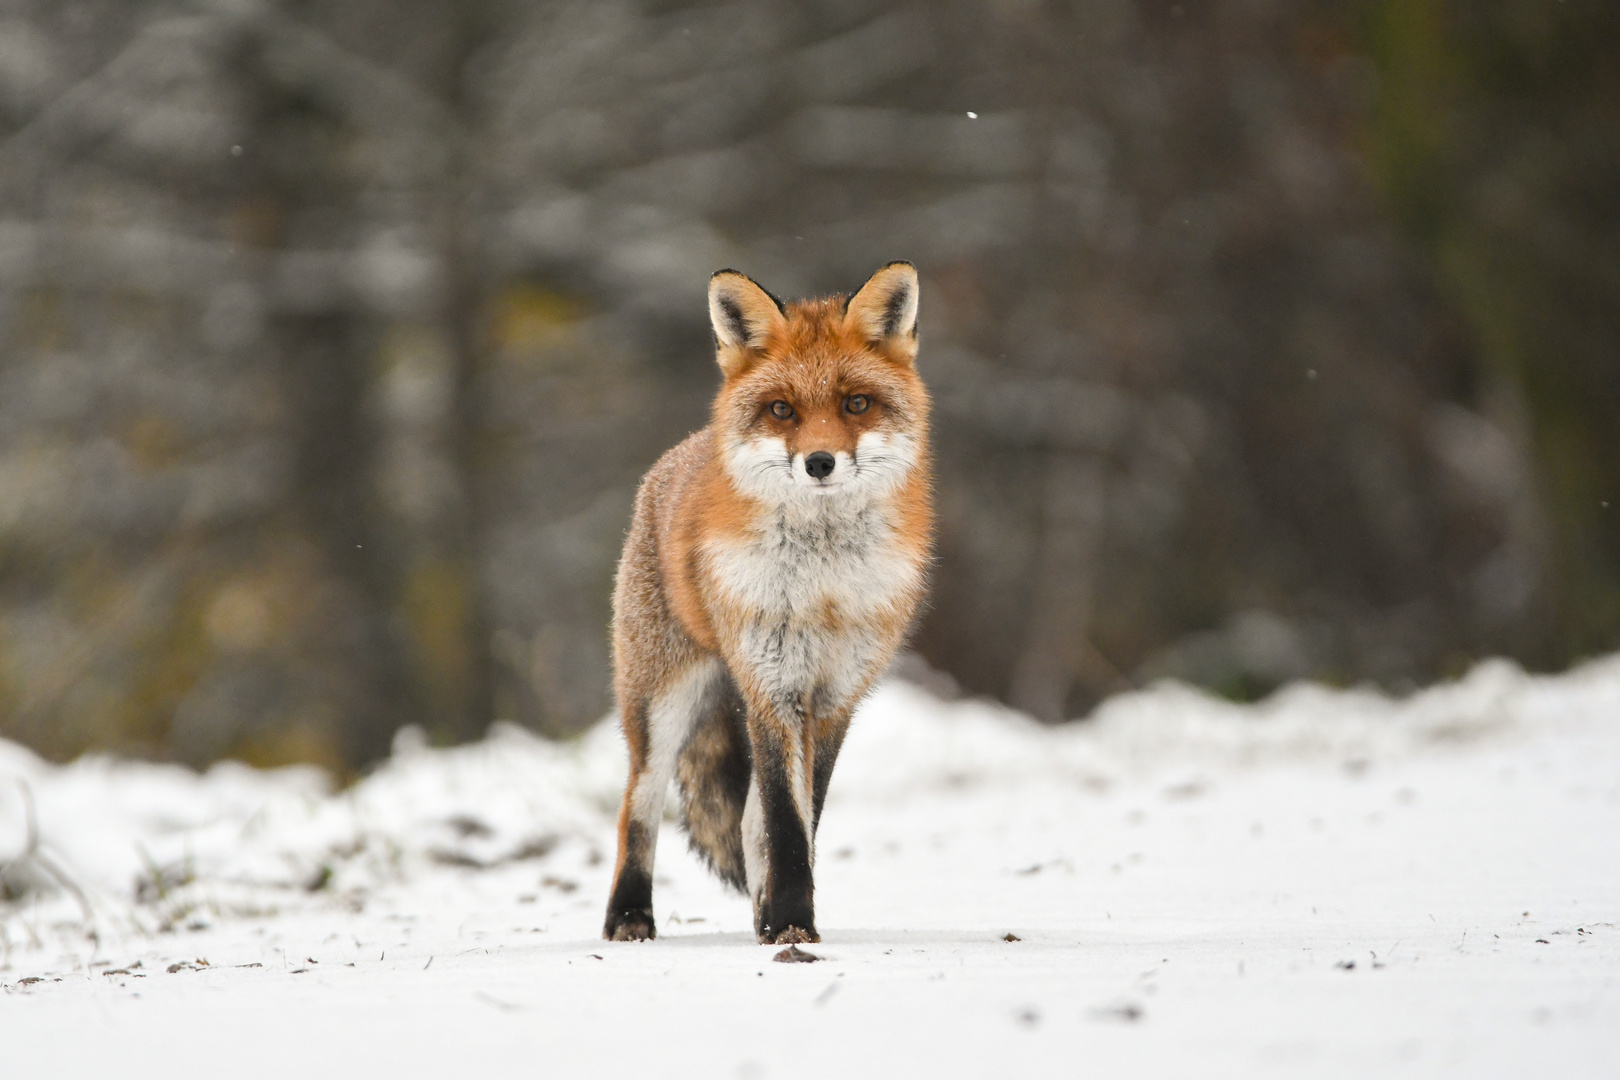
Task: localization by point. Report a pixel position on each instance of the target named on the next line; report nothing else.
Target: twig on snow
(33, 852)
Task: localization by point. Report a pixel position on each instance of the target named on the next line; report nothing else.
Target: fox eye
(857, 403)
(781, 410)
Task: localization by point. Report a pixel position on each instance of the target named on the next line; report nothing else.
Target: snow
(1329, 883)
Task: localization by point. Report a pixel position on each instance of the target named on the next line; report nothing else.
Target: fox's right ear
(743, 316)
(884, 310)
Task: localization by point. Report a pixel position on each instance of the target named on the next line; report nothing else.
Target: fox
(775, 563)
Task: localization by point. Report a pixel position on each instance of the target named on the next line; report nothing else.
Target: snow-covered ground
(1324, 884)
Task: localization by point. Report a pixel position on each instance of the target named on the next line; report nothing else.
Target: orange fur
(783, 548)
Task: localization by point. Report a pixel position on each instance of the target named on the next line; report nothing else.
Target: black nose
(820, 464)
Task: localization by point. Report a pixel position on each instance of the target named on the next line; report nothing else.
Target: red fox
(774, 564)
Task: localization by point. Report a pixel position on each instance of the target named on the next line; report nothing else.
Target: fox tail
(713, 772)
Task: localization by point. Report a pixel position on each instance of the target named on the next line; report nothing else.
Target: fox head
(821, 397)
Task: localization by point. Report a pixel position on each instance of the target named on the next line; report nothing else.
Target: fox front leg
(830, 731)
(778, 832)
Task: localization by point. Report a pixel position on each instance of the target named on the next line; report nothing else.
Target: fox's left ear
(743, 316)
(884, 311)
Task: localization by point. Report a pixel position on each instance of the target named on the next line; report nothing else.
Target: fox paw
(794, 935)
(630, 926)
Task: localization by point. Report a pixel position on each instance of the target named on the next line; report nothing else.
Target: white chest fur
(816, 592)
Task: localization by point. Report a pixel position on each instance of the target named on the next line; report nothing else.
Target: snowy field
(1326, 884)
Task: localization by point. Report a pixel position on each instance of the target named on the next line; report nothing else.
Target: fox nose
(819, 464)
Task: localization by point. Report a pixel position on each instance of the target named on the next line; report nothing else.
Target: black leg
(629, 914)
(787, 913)
(629, 911)
(828, 742)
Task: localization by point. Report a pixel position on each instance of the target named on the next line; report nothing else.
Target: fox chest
(813, 607)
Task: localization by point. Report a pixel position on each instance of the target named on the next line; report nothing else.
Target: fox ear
(743, 316)
(884, 311)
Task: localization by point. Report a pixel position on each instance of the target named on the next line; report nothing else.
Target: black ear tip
(900, 262)
(727, 272)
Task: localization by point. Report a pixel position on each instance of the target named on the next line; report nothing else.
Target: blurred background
(1269, 340)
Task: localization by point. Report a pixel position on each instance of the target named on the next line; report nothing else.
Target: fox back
(775, 562)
